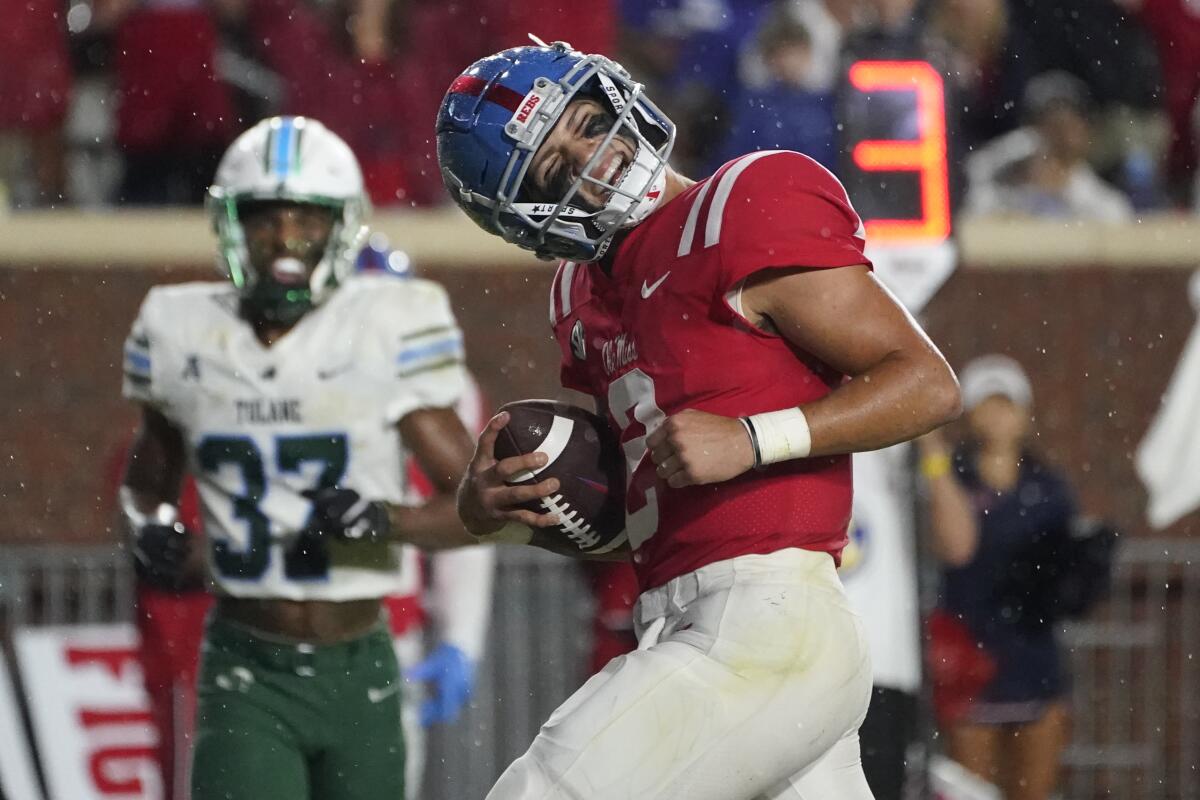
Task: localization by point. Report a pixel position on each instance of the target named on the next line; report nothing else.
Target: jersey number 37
(327, 451)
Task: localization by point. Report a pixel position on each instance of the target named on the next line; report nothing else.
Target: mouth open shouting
(570, 148)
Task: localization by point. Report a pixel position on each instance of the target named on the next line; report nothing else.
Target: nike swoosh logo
(381, 694)
(648, 289)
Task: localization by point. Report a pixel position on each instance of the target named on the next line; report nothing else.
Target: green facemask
(274, 302)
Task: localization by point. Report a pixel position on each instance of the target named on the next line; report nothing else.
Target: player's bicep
(844, 316)
(156, 460)
(440, 443)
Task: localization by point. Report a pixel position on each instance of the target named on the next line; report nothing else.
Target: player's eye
(558, 180)
(548, 167)
(598, 124)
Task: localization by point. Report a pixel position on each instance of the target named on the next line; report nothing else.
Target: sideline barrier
(444, 236)
(538, 643)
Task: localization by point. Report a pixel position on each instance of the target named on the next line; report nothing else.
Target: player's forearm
(900, 398)
(432, 526)
(149, 478)
(154, 466)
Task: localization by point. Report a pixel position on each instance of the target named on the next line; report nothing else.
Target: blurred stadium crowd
(1079, 108)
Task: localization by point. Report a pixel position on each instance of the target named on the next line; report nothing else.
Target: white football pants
(749, 683)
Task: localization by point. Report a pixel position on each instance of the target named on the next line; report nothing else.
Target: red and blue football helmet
(496, 115)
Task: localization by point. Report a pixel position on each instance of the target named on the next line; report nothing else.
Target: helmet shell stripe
(283, 147)
(473, 86)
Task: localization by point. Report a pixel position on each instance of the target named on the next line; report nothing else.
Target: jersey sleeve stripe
(430, 331)
(436, 365)
(689, 227)
(137, 380)
(554, 284)
(136, 362)
(564, 289)
(452, 346)
(712, 227)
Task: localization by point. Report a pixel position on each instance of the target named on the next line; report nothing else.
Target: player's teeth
(612, 170)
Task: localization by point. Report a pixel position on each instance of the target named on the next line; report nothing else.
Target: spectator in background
(987, 64)
(708, 75)
(650, 38)
(1175, 27)
(397, 57)
(1095, 40)
(174, 114)
(337, 63)
(993, 504)
(790, 112)
(1196, 173)
(1041, 169)
(35, 85)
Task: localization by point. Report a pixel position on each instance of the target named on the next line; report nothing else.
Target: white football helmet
(294, 159)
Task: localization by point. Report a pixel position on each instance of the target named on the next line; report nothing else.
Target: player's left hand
(695, 447)
(453, 675)
(346, 514)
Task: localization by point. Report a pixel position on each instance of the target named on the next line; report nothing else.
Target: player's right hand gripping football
(487, 504)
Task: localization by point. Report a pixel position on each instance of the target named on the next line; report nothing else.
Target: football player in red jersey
(735, 336)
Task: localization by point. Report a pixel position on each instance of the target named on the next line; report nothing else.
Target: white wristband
(780, 435)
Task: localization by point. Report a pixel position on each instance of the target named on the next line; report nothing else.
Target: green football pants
(297, 722)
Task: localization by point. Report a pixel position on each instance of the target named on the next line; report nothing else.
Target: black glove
(160, 554)
(345, 514)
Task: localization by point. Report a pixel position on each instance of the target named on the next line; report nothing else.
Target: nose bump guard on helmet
(499, 112)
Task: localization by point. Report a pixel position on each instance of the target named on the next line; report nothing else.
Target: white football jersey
(318, 408)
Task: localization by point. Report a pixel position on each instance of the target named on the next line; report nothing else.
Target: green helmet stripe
(295, 156)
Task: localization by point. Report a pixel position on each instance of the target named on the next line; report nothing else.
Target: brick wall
(1099, 345)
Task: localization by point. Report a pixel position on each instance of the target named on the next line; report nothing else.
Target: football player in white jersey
(292, 392)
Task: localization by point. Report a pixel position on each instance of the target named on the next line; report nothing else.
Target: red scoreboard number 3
(926, 155)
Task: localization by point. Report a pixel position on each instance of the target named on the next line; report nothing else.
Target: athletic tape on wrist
(781, 435)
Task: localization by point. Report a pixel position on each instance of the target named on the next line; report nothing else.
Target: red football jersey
(653, 329)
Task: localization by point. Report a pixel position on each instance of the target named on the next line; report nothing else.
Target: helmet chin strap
(642, 183)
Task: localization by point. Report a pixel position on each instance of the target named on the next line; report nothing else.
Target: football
(590, 467)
